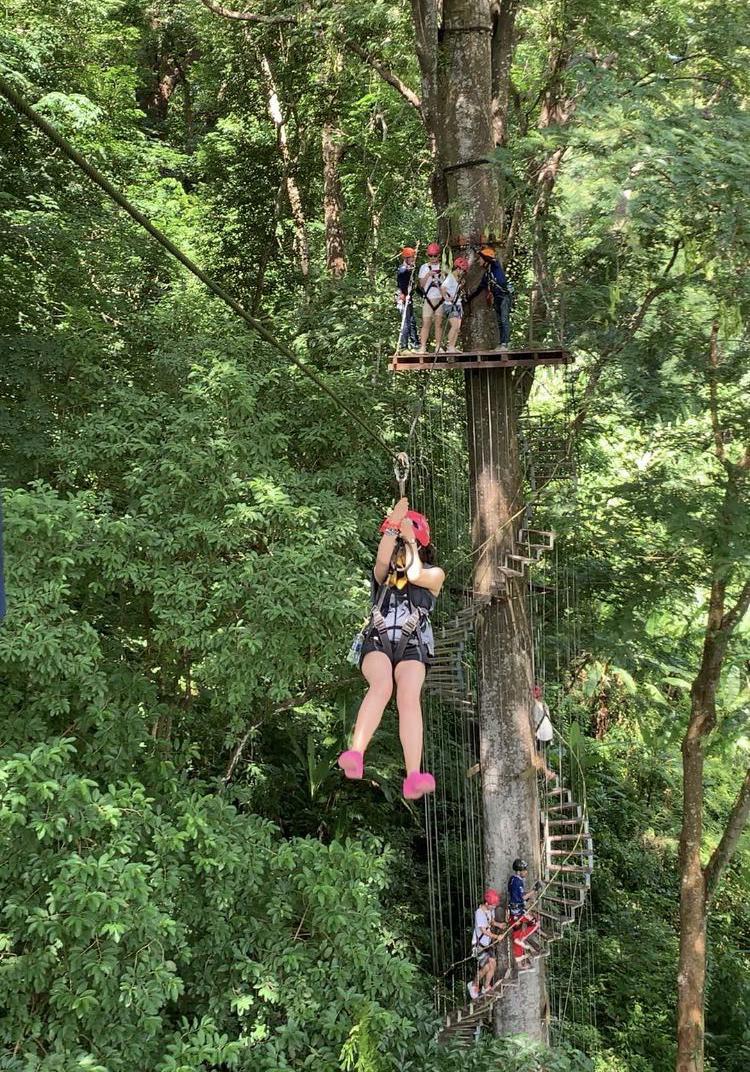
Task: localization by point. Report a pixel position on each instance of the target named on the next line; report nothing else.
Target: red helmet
(462, 263)
(492, 897)
(421, 527)
(433, 250)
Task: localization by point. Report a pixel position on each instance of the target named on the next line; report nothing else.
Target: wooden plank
(478, 359)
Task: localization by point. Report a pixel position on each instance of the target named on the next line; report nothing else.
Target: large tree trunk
(507, 750)
(457, 72)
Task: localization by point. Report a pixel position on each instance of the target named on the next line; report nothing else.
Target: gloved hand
(537, 885)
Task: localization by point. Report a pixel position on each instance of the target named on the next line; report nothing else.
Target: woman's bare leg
(378, 673)
(424, 331)
(409, 680)
(454, 326)
(438, 329)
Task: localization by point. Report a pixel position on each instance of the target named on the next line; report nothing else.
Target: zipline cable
(20, 105)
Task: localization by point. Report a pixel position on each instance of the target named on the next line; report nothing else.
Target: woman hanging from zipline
(397, 644)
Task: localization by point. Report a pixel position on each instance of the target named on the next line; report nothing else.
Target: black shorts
(412, 653)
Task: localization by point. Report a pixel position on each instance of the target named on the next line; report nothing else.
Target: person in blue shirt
(408, 338)
(517, 895)
(495, 283)
(523, 925)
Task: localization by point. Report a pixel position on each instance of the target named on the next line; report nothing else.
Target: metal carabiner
(401, 471)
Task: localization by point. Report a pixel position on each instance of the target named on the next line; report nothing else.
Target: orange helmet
(487, 251)
(433, 250)
(407, 251)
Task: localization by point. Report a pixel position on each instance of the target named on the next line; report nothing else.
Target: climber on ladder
(543, 730)
(408, 338)
(499, 291)
(484, 945)
(430, 284)
(396, 643)
(523, 924)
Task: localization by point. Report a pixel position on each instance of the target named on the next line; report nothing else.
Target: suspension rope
(20, 105)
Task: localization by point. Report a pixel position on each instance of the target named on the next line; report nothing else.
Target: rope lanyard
(20, 105)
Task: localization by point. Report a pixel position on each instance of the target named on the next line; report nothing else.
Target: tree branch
(734, 616)
(724, 851)
(287, 705)
(386, 74)
(245, 16)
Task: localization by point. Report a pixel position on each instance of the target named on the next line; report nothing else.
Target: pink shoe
(352, 763)
(417, 784)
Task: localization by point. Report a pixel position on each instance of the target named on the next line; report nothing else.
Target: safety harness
(411, 627)
(437, 279)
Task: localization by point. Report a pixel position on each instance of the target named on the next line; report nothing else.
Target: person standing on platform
(452, 291)
(499, 291)
(430, 281)
(408, 338)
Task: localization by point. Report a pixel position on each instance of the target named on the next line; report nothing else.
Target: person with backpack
(452, 292)
(430, 283)
(499, 290)
(396, 645)
(408, 338)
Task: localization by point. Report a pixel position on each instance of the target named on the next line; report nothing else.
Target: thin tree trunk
(696, 882)
(260, 275)
(333, 200)
(292, 190)
(333, 151)
(375, 217)
(503, 23)
(691, 976)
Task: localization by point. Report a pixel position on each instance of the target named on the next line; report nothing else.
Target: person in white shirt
(483, 944)
(452, 291)
(430, 281)
(543, 730)
(542, 721)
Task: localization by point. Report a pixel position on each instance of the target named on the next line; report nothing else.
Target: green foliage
(189, 524)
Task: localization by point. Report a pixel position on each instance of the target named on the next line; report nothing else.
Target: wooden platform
(410, 361)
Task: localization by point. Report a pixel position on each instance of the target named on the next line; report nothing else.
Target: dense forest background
(189, 522)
